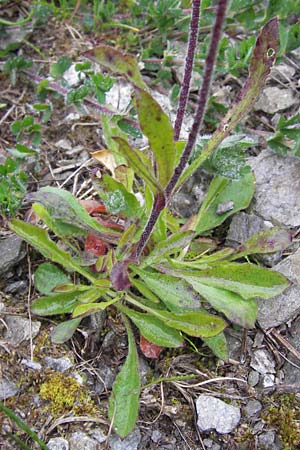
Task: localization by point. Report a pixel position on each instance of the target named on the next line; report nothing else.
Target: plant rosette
(133, 253)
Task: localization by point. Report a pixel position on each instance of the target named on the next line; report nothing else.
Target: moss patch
(66, 395)
(284, 414)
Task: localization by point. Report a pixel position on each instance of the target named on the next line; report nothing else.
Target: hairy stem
(203, 96)
(188, 70)
(198, 119)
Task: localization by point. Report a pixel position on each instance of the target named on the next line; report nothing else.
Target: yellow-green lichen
(66, 395)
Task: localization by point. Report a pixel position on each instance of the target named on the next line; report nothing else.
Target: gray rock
(253, 378)
(273, 99)
(81, 441)
(182, 204)
(58, 443)
(19, 330)
(98, 435)
(59, 364)
(34, 365)
(283, 71)
(243, 226)
(285, 306)
(16, 286)
(105, 379)
(216, 414)
(130, 442)
(252, 408)
(12, 251)
(268, 441)
(292, 370)
(262, 361)
(72, 77)
(7, 389)
(156, 436)
(277, 191)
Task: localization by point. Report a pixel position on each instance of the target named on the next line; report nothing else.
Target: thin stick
(188, 70)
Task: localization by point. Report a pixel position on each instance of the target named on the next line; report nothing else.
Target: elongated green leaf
(157, 127)
(137, 164)
(247, 280)
(176, 294)
(144, 290)
(263, 58)
(64, 331)
(47, 276)
(267, 241)
(119, 200)
(195, 323)
(62, 205)
(218, 346)
(118, 62)
(236, 309)
(124, 400)
(39, 239)
(224, 197)
(56, 304)
(90, 308)
(172, 244)
(153, 329)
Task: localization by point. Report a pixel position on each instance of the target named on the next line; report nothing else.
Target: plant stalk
(188, 70)
(198, 119)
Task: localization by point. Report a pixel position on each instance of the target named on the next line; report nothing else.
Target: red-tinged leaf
(94, 245)
(110, 224)
(93, 206)
(118, 62)
(263, 58)
(148, 349)
(119, 276)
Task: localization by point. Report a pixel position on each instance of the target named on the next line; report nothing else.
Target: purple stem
(188, 70)
(198, 119)
(202, 96)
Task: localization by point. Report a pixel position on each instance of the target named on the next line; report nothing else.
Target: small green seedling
(138, 259)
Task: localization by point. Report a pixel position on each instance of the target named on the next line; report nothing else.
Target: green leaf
(247, 280)
(236, 309)
(144, 290)
(91, 308)
(124, 400)
(137, 163)
(157, 127)
(119, 200)
(47, 277)
(59, 227)
(262, 60)
(226, 195)
(118, 62)
(56, 304)
(64, 331)
(62, 205)
(218, 346)
(58, 69)
(267, 241)
(153, 329)
(176, 294)
(171, 245)
(195, 323)
(39, 239)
